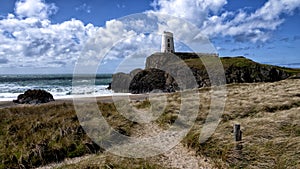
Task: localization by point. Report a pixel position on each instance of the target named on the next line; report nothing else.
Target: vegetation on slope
(270, 120)
(163, 67)
(239, 62)
(32, 136)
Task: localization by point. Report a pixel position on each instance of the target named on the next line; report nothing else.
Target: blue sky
(52, 36)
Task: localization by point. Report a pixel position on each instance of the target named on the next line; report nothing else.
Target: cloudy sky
(52, 36)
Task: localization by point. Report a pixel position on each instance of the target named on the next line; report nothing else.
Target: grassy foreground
(269, 113)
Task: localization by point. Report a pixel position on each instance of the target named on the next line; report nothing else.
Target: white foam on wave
(91, 96)
(8, 96)
(11, 97)
(59, 92)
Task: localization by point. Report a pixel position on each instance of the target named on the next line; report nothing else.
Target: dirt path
(67, 162)
(183, 158)
(178, 157)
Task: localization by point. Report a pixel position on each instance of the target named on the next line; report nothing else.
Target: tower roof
(168, 33)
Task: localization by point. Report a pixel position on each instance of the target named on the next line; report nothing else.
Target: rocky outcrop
(152, 80)
(34, 97)
(168, 72)
(255, 73)
(121, 81)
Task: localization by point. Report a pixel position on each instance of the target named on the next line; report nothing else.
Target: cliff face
(152, 80)
(168, 72)
(254, 73)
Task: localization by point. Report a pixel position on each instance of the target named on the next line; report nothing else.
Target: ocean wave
(58, 85)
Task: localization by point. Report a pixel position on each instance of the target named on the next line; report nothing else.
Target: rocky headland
(162, 69)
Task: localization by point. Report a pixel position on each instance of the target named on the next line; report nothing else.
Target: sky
(55, 36)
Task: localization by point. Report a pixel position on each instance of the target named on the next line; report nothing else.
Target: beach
(103, 99)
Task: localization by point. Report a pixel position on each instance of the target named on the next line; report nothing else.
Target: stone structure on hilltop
(170, 71)
(167, 43)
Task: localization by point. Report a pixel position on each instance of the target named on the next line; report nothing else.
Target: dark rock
(109, 86)
(121, 81)
(255, 73)
(152, 80)
(134, 72)
(34, 97)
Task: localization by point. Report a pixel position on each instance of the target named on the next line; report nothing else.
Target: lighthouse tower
(167, 43)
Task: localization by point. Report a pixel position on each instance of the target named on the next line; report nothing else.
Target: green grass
(290, 70)
(239, 62)
(226, 61)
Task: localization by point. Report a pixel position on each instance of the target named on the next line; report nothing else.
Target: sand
(103, 99)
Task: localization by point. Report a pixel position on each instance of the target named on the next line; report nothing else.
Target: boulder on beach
(34, 97)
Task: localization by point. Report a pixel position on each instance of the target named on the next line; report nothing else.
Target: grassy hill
(239, 62)
(162, 69)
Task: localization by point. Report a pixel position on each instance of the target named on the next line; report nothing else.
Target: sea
(59, 85)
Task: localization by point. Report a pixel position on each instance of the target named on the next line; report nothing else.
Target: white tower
(167, 43)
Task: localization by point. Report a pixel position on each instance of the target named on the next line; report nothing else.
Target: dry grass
(28, 133)
(108, 161)
(269, 114)
(32, 136)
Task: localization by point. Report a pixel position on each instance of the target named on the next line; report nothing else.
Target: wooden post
(237, 136)
(237, 132)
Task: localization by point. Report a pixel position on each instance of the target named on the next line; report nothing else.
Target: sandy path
(178, 157)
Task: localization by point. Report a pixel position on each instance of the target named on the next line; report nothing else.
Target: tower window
(168, 45)
(169, 40)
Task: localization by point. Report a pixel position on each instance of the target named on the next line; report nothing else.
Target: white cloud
(273, 9)
(29, 39)
(214, 21)
(195, 11)
(34, 9)
(32, 42)
(105, 37)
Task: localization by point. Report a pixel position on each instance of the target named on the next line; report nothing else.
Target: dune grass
(269, 113)
(108, 161)
(33, 136)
